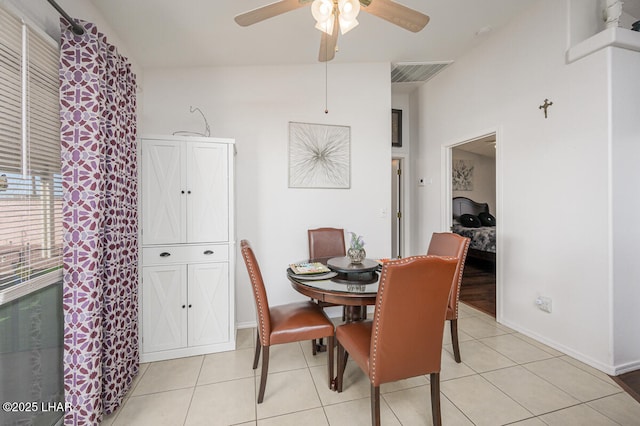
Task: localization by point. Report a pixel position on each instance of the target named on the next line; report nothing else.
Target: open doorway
(473, 193)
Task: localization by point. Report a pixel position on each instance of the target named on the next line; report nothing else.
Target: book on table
(309, 268)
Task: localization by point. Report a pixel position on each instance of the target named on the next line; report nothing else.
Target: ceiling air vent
(412, 72)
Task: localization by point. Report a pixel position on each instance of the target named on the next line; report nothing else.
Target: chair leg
(256, 357)
(330, 345)
(454, 340)
(341, 363)
(313, 342)
(316, 344)
(434, 378)
(263, 375)
(375, 405)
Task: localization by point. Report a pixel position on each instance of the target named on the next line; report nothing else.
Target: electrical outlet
(544, 303)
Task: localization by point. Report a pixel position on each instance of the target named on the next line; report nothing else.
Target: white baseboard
(608, 369)
(246, 324)
(627, 367)
(187, 351)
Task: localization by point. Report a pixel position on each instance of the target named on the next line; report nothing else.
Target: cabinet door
(162, 191)
(164, 307)
(208, 199)
(209, 303)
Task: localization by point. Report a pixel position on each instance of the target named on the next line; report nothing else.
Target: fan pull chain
(326, 86)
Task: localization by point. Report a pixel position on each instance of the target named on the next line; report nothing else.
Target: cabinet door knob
(182, 192)
(189, 305)
(183, 306)
(165, 254)
(188, 192)
(207, 252)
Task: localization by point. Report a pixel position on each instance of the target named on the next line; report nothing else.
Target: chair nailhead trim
(253, 277)
(462, 261)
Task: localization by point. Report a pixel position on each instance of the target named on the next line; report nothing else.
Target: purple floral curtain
(98, 135)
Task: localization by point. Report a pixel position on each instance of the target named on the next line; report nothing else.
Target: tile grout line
(457, 408)
(193, 392)
(388, 405)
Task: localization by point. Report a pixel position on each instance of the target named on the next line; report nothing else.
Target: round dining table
(352, 285)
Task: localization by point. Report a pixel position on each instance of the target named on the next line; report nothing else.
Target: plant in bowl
(356, 252)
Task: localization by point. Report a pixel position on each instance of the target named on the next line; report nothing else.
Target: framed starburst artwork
(462, 175)
(319, 156)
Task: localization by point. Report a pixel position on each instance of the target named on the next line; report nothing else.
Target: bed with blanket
(473, 220)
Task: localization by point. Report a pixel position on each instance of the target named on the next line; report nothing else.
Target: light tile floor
(505, 378)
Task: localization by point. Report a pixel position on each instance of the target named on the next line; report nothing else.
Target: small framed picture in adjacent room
(396, 128)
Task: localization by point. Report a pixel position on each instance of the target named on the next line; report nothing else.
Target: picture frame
(462, 178)
(396, 128)
(319, 156)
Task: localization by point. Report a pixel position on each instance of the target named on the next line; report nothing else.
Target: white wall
(416, 225)
(553, 175)
(254, 105)
(625, 137)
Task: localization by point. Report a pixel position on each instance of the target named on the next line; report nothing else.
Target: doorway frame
(405, 202)
(447, 196)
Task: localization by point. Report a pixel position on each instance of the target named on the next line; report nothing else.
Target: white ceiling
(193, 33)
(484, 146)
(188, 33)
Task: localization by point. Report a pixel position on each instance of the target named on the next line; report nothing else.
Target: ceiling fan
(333, 14)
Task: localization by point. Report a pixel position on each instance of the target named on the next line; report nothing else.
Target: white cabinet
(164, 318)
(185, 193)
(208, 311)
(188, 246)
(184, 303)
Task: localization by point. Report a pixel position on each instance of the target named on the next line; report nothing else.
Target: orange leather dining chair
(405, 337)
(450, 244)
(326, 243)
(293, 322)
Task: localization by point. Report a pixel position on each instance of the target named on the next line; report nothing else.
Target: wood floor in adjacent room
(630, 382)
(479, 285)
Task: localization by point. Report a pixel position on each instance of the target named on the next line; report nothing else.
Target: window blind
(30, 180)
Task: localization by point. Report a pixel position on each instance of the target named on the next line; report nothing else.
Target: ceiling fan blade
(403, 16)
(328, 43)
(269, 11)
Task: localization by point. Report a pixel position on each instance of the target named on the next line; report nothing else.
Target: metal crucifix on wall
(544, 106)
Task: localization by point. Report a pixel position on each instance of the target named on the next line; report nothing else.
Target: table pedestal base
(320, 346)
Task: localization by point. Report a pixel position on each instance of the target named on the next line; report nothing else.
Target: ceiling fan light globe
(347, 13)
(349, 9)
(346, 26)
(322, 10)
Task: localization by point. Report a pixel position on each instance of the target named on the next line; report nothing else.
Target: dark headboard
(464, 205)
